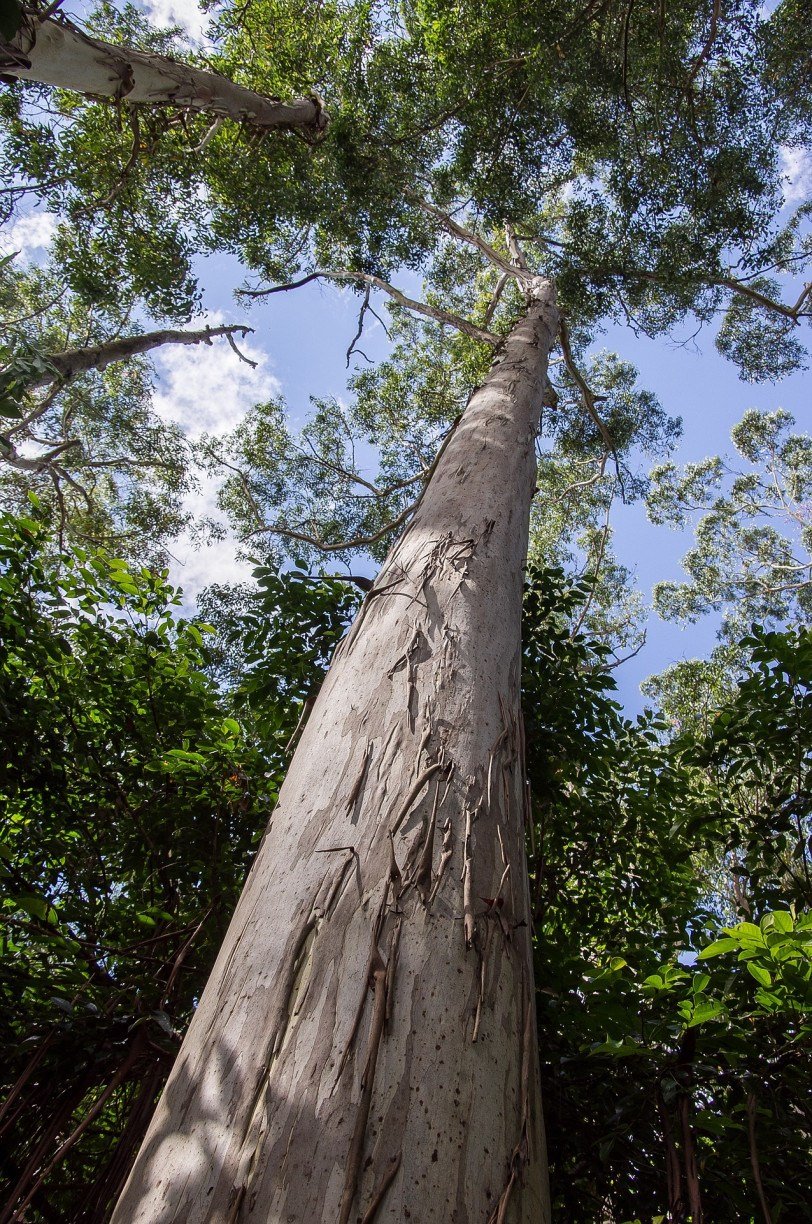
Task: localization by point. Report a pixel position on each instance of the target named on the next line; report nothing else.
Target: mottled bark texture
(56, 52)
(366, 1046)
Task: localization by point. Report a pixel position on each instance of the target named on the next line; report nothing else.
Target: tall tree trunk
(59, 53)
(366, 1046)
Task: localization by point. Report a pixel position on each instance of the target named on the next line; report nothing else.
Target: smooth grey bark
(56, 52)
(70, 363)
(366, 1046)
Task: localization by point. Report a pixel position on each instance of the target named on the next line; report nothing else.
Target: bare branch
(789, 312)
(596, 575)
(73, 362)
(586, 394)
(357, 542)
(229, 335)
(358, 334)
(36, 413)
(590, 480)
(60, 53)
(213, 130)
(516, 252)
(313, 457)
(363, 541)
(40, 462)
(702, 58)
(805, 294)
(632, 653)
(495, 297)
(367, 278)
(129, 166)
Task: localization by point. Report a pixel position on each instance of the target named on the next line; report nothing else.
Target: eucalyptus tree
(404, 957)
(366, 1043)
(309, 494)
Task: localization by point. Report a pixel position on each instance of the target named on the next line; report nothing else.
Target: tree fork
(365, 1047)
(56, 52)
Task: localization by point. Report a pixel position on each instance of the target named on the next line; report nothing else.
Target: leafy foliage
(636, 150)
(752, 560)
(133, 793)
(673, 936)
(669, 880)
(765, 348)
(278, 674)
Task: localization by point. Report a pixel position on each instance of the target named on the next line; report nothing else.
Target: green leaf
(718, 947)
(704, 1012)
(760, 974)
(782, 921)
(747, 932)
(37, 907)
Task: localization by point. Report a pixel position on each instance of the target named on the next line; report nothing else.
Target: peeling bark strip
(59, 53)
(331, 1071)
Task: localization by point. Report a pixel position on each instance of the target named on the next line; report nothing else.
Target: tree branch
(586, 394)
(789, 312)
(702, 58)
(361, 314)
(73, 362)
(361, 541)
(596, 575)
(495, 297)
(755, 1164)
(517, 254)
(465, 235)
(60, 53)
(367, 278)
(39, 464)
(357, 542)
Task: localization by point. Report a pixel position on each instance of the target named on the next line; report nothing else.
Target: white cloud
(196, 565)
(206, 388)
(796, 168)
(29, 234)
(183, 13)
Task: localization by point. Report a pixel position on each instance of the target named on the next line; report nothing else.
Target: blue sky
(300, 344)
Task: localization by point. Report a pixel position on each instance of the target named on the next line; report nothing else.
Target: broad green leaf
(718, 947)
(704, 1012)
(761, 975)
(782, 921)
